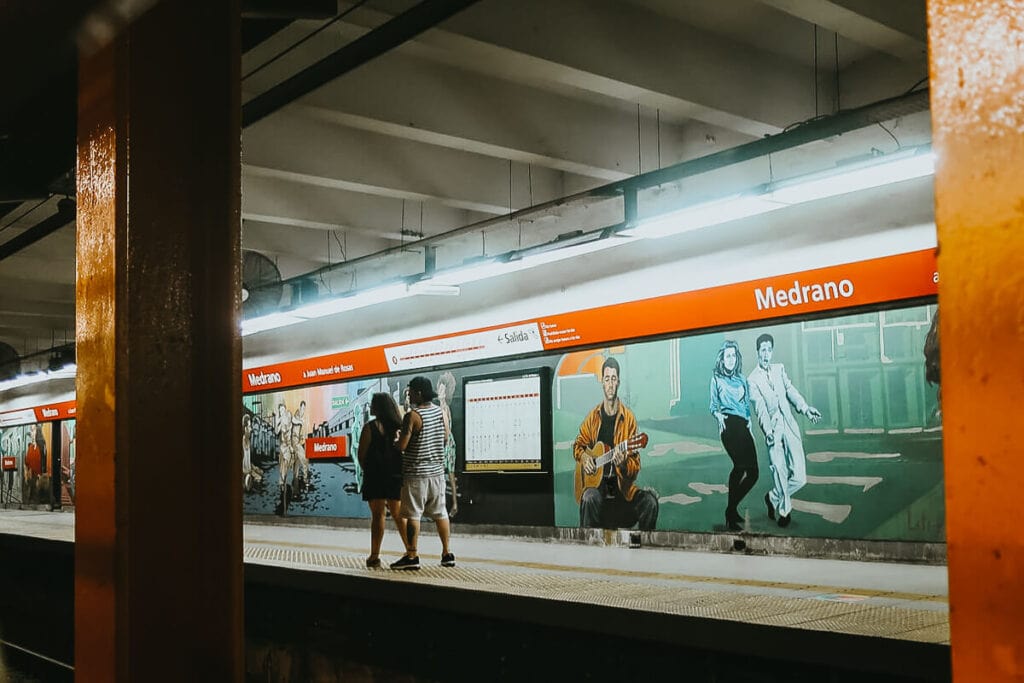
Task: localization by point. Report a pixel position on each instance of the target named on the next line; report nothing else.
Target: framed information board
(507, 421)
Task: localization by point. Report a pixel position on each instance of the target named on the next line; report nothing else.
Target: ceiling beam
(860, 21)
(620, 52)
(313, 245)
(316, 225)
(373, 215)
(417, 134)
(46, 291)
(379, 190)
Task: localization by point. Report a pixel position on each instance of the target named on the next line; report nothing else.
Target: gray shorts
(424, 496)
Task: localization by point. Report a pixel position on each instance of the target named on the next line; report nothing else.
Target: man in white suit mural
(772, 393)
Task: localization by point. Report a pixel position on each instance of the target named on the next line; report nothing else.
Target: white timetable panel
(503, 424)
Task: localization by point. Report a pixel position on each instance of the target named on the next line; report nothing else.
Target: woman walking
(381, 463)
(730, 405)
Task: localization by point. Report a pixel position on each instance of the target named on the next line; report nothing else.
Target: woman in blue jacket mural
(730, 405)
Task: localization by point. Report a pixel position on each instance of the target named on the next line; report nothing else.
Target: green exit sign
(339, 402)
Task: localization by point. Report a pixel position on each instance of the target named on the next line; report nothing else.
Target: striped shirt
(424, 456)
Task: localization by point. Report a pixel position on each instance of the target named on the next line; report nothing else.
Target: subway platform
(741, 616)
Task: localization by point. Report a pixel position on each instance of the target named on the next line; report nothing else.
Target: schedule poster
(503, 424)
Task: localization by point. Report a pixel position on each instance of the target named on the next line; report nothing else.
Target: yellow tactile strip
(664, 596)
(630, 573)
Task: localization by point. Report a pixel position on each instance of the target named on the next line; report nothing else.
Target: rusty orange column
(977, 77)
(158, 568)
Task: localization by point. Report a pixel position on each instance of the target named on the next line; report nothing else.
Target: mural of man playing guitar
(607, 452)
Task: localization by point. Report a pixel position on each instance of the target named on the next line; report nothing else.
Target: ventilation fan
(9, 365)
(261, 284)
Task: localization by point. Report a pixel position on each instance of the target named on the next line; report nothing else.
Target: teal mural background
(874, 461)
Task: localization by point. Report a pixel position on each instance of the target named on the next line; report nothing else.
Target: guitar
(603, 455)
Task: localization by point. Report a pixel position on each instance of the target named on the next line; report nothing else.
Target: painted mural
(299, 445)
(824, 428)
(25, 468)
(821, 428)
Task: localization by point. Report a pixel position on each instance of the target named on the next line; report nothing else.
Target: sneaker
(448, 560)
(373, 563)
(406, 562)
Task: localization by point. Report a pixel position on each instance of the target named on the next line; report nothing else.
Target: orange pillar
(977, 81)
(158, 549)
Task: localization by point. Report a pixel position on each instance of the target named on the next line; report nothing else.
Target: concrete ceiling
(507, 105)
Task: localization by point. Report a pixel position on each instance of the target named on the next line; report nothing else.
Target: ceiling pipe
(65, 214)
(402, 28)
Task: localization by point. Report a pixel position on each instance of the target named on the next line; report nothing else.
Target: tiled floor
(899, 601)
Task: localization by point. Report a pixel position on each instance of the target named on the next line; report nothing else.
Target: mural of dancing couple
(834, 432)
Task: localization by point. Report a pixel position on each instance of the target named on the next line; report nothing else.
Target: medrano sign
(802, 294)
(264, 378)
(326, 447)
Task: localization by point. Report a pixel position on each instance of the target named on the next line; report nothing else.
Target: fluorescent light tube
(66, 372)
(480, 271)
(553, 255)
(845, 181)
(271, 321)
(433, 289)
(348, 303)
(702, 215)
(896, 168)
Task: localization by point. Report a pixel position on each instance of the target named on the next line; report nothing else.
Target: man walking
(772, 393)
(422, 442)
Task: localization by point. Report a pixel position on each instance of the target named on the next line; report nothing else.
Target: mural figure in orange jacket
(608, 463)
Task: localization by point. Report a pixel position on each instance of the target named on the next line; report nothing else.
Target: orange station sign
(889, 278)
(326, 447)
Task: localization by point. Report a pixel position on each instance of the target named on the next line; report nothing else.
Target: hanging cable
(639, 152)
(658, 115)
(839, 106)
(342, 247)
(816, 112)
(915, 86)
(529, 172)
(894, 139)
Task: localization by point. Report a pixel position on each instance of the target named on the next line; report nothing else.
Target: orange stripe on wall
(879, 280)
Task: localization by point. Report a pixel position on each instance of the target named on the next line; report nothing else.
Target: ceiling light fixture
(892, 168)
(66, 372)
(887, 170)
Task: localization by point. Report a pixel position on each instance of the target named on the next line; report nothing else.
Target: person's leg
(797, 464)
(745, 459)
(376, 527)
(305, 459)
(412, 535)
(282, 465)
(444, 532)
(590, 509)
(645, 509)
(395, 508)
(731, 445)
(435, 507)
(780, 475)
